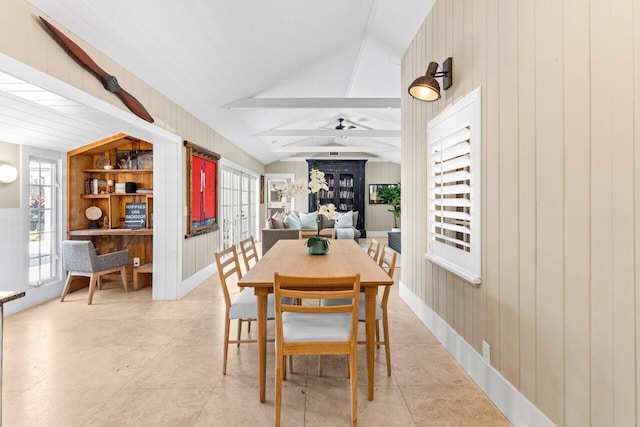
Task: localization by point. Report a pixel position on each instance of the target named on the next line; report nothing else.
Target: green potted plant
(390, 195)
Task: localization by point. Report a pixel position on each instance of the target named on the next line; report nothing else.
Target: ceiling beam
(332, 132)
(360, 103)
(304, 159)
(333, 148)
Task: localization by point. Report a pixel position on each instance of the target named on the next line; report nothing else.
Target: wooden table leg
(371, 293)
(262, 338)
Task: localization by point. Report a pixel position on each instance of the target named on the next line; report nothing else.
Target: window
(43, 200)
(453, 162)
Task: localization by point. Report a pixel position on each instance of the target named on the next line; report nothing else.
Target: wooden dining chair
(330, 233)
(374, 249)
(243, 308)
(387, 262)
(249, 252)
(316, 329)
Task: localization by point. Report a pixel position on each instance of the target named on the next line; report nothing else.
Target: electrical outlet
(136, 262)
(486, 351)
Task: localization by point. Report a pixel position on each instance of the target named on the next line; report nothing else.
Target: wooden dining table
(291, 257)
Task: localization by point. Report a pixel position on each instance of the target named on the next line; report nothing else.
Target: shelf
(106, 196)
(119, 171)
(111, 232)
(94, 196)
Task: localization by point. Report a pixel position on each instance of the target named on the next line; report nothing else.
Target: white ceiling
(214, 57)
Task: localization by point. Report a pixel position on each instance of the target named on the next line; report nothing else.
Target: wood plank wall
(561, 196)
(23, 38)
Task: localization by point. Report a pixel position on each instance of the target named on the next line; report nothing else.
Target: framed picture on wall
(374, 195)
(202, 190)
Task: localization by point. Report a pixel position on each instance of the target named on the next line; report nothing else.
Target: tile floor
(130, 361)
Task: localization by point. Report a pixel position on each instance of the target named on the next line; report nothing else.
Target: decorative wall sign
(108, 81)
(202, 190)
(135, 215)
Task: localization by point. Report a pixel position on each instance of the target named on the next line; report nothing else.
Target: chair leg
(67, 285)
(319, 365)
(284, 368)
(92, 286)
(226, 344)
(378, 334)
(123, 274)
(99, 283)
(279, 374)
(291, 364)
(239, 331)
(248, 326)
(353, 365)
(348, 367)
(387, 347)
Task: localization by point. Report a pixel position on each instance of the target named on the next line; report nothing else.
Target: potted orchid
(317, 244)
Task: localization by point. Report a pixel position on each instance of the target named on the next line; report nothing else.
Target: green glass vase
(319, 247)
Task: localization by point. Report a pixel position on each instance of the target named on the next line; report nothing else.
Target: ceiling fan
(341, 126)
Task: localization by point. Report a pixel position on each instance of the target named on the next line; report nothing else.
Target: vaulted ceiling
(272, 76)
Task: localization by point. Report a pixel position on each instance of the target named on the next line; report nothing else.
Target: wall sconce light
(426, 88)
(8, 173)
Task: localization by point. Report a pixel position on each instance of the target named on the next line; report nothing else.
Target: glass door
(239, 206)
(244, 228)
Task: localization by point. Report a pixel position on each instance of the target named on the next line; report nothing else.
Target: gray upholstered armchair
(79, 259)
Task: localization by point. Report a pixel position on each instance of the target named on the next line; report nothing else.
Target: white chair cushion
(361, 308)
(310, 327)
(245, 306)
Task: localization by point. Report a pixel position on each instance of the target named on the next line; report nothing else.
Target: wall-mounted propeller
(108, 81)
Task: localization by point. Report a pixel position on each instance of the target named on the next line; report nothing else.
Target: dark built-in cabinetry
(345, 179)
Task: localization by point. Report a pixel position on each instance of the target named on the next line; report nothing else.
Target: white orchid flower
(316, 175)
(299, 188)
(315, 186)
(329, 211)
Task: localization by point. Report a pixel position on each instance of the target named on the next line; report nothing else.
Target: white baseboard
(191, 282)
(513, 404)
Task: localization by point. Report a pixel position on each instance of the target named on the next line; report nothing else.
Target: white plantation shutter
(453, 162)
(450, 189)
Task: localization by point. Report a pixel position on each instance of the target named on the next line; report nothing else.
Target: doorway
(239, 206)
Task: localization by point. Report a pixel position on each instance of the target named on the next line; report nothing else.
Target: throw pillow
(345, 220)
(277, 223)
(292, 221)
(327, 223)
(308, 220)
